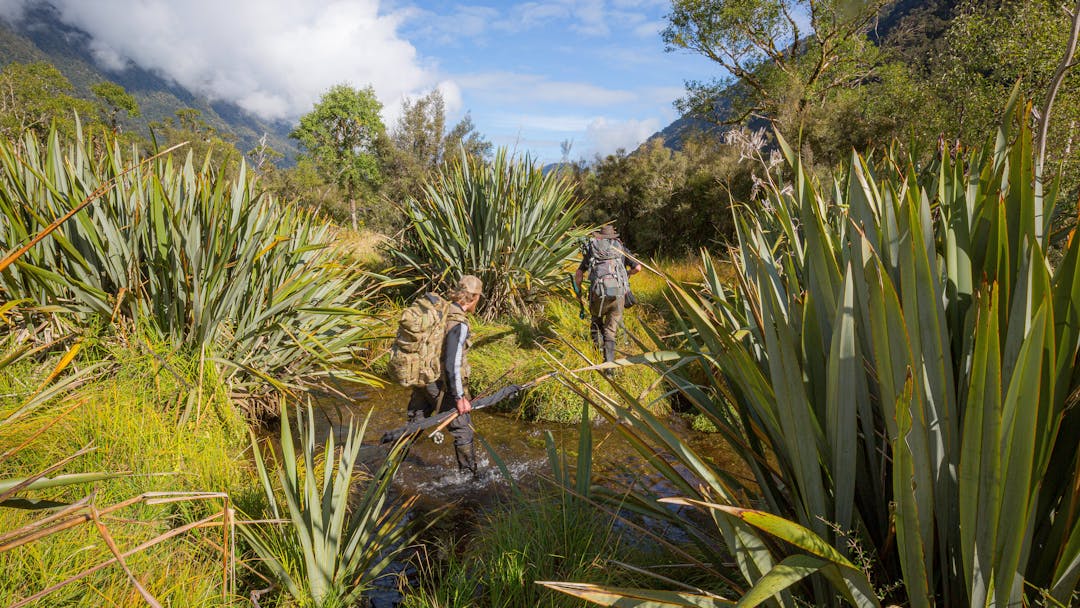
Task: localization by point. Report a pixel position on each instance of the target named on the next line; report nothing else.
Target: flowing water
(430, 470)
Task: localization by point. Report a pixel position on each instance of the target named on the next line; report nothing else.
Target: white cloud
(507, 87)
(550, 123)
(274, 58)
(11, 10)
(464, 24)
(604, 136)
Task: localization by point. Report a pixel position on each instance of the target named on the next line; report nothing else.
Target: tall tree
(420, 128)
(991, 45)
(115, 99)
(340, 137)
(782, 55)
(421, 132)
(33, 96)
(420, 143)
(466, 138)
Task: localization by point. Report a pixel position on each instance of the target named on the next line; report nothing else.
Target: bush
(504, 221)
(240, 278)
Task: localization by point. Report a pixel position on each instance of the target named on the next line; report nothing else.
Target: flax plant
(504, 221)
(896, 365)
(214, 265)
(330, 551)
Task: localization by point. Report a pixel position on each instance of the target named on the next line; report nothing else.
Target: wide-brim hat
(607, 232)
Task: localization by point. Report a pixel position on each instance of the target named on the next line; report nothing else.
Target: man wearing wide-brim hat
(609, 264)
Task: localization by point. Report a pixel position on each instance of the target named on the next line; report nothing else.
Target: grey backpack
(607, 271)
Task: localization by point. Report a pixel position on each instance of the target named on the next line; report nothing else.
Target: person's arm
(632, 267)
(579, 275)
(453, 358)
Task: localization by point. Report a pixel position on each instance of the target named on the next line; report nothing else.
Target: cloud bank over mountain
(274, 58)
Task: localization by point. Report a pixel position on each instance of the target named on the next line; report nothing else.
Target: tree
(989, 47)
(464, 137)
(33, 96)
(419, 144)
(340, 135)
(420, 129)
(777, 70)
(116, 100)
(203, 141)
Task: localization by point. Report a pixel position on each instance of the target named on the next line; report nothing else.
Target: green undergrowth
(163, 422)
(542, 538)
(520, 352)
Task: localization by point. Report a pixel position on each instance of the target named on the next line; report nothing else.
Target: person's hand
(463, 406)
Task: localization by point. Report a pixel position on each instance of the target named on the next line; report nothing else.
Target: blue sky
(532, 74)
(536, 74)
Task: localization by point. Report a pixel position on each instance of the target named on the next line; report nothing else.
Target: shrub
(901, 358)
(504, 221)
(216, 268)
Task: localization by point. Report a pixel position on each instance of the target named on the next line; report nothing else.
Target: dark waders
(607, 313)
(431, 400)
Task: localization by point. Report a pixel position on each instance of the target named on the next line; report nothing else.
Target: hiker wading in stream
(450, 390)
(609, 266)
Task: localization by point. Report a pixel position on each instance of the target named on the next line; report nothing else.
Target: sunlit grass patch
(559, 339)
(130, 416)
(363, 246)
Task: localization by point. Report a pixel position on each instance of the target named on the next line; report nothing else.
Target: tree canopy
(339, 136)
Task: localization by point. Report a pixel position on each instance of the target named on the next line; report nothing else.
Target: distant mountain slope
(41, 36)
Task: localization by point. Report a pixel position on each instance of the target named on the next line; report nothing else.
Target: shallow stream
(430, 470)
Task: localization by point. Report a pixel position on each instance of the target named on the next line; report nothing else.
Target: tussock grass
(541, 538)
(364, 247)
(131, 415)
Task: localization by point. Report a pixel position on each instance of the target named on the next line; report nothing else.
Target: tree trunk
(352, 212)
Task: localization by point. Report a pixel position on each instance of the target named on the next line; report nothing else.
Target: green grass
(558, 338)
(531, 539)
(131, 416)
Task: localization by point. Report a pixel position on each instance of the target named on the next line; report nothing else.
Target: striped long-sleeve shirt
(454, 359)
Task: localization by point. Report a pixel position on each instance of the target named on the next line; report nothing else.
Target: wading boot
(609, 356)
(466, 459)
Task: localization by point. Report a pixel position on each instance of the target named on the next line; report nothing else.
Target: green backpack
(415, 356)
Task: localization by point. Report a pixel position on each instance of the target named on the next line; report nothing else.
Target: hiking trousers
(607, 313)
(431, 400)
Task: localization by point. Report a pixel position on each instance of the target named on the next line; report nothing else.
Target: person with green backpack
(430, 355)
(609, 264)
